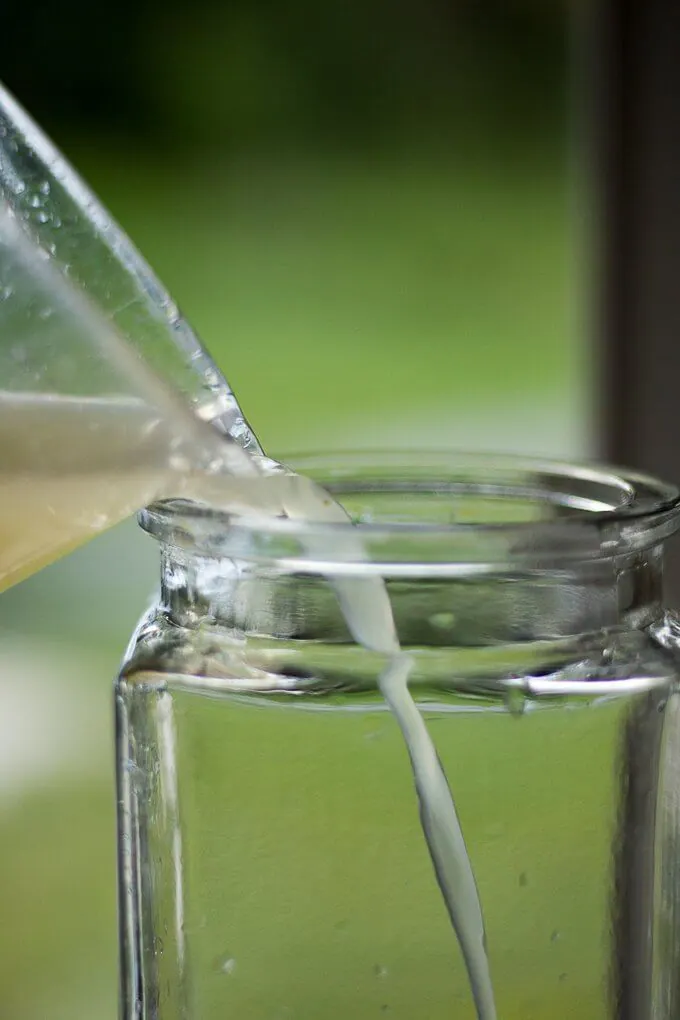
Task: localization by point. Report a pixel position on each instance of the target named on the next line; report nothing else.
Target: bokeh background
(372, 213)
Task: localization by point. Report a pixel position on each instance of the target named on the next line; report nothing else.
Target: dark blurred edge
(252, 74)
(633, 114)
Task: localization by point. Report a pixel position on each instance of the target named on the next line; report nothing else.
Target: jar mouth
(452, 511)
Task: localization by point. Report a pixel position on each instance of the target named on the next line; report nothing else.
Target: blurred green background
(370, 212)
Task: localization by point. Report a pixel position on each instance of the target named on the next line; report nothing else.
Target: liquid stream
(72, 467)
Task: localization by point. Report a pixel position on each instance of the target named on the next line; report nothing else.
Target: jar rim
(519, 510)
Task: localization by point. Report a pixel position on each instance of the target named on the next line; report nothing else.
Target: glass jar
(272, 862)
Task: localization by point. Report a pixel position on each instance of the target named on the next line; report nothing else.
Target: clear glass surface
(105, 391)
(81, 312)
(272, 861)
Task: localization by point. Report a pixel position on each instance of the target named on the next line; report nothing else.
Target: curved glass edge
(599, 512)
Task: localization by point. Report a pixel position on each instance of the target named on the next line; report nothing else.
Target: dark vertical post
(633, 96)
(634, 153)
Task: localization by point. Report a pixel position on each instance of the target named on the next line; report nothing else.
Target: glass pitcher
(271, 860)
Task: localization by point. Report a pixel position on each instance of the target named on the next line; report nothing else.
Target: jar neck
(493, 567)
(245, 598)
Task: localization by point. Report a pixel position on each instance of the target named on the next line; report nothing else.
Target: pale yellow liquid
(71, 467)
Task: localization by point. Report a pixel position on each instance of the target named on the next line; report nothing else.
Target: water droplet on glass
(443, 621)
(45, 187)
(35, 201)
(554, 936)
(45, 313)
(172, 312)
(515, 698)
(158, 945)
(380, 970)
(180, 464)
(228, 965)
(372, 727)
(42, 217)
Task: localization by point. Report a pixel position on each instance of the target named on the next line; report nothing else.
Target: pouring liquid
(105, 458)
(72, 466)
(368, 614)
